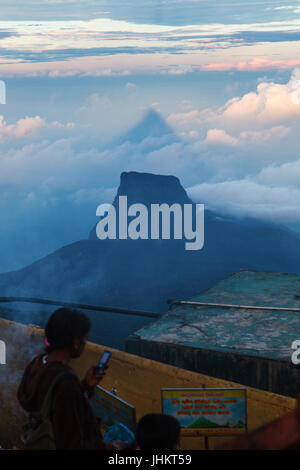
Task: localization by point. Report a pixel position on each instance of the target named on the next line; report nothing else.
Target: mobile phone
(104, 360)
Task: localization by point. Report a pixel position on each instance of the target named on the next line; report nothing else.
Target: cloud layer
(241, 158)
(101, 46)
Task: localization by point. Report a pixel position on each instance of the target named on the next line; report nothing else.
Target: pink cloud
(23, 128)
(257, 63)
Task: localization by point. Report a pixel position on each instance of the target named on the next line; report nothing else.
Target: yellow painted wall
(137, 380)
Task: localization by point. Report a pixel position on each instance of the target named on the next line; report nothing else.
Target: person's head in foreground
(66, 331)
(158, 432)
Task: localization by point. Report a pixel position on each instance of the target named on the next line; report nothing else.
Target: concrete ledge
(272, 375)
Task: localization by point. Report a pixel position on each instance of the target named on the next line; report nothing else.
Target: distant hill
(203, 422)
(143, 274)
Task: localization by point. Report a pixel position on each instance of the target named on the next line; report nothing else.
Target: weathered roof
(260, 332)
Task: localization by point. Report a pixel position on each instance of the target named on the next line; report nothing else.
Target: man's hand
(119, 445)
(116, 445)
(91, 378)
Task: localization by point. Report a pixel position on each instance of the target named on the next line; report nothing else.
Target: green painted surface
(260, 333)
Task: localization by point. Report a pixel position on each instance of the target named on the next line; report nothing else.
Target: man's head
(67, 329)
(158, 432)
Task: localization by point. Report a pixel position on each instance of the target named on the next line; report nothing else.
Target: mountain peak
(148, 188)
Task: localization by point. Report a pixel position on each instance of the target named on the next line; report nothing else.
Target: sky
(224, 75)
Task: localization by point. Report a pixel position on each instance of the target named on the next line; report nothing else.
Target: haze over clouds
(102, 43)
(245, 142)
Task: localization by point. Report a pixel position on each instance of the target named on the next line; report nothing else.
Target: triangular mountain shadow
(152, 125)
(143, 274)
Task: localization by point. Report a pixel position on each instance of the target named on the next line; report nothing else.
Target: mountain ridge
(144, 274)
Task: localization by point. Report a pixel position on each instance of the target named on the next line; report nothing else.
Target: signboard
(112, 410)
(207, 411)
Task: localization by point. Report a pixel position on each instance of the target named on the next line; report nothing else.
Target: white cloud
(274, 134)
(218, 136)
(285, 7)
(191, 120)
(242, 170)
(131, 86)
(250, 198)
(287, 173)
(59, 125)
(265, 114)
(108, 47)
(270, 105)
(97, 195)
(95, 102)
(26, 127)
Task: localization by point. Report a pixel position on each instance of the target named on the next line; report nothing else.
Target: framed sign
(112, 410)
(207, 411)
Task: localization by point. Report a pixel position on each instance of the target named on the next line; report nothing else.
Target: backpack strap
(47, 403)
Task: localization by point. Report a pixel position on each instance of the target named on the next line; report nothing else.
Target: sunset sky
(225, 76)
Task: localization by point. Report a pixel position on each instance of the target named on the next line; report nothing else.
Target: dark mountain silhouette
(143, 274)
(147, 189)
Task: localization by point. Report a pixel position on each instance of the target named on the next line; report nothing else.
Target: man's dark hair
(64, 326)
(157, 432)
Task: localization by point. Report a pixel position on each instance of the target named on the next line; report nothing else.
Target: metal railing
(247, 307)
(139, 313)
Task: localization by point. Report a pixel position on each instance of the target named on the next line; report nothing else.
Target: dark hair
(64, 326)
(157, 432)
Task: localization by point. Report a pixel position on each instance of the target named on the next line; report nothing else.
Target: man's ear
(77, 345)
